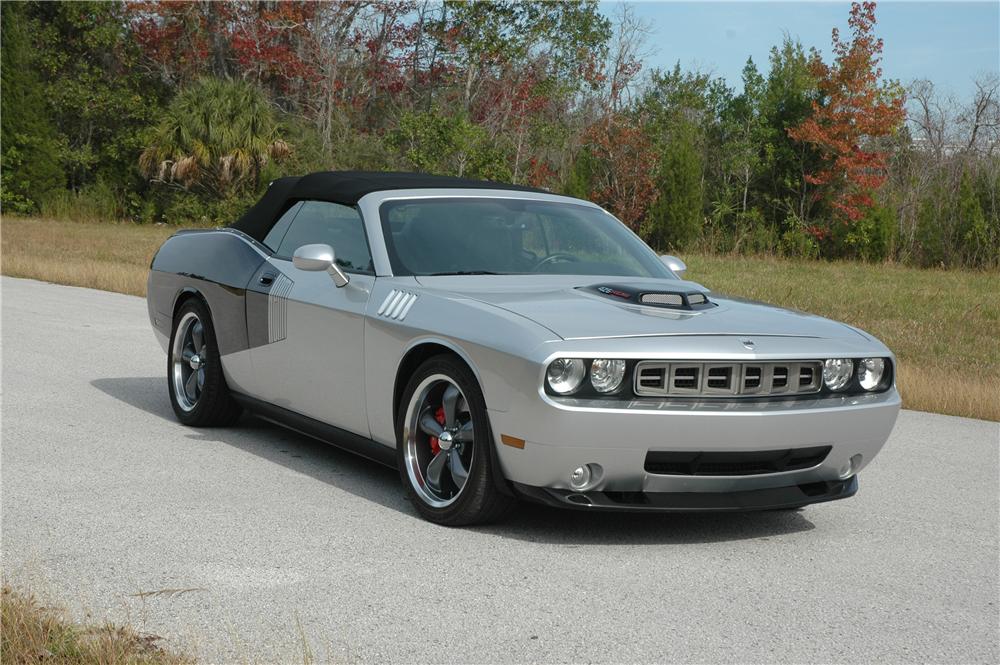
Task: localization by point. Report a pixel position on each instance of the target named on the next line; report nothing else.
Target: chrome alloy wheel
(188, 361)
(439, 439)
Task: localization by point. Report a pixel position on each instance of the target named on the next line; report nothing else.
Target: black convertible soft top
(345, 187)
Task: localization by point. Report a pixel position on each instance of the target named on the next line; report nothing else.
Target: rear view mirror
(674, 263)
(320, 257)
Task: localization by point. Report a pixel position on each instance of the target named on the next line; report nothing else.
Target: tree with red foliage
(626, 185)
(616, 164)
(854, 110)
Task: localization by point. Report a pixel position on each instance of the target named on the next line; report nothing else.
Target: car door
(307, 335)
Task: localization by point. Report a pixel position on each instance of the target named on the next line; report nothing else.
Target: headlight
(606, 375)
(565, 375)
(870, 372)
(837, 373)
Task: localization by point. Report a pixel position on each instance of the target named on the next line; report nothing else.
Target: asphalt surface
(261, 541)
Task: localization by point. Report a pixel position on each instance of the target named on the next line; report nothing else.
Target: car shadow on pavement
(379, 484)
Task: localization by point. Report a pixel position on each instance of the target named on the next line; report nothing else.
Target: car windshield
(499, 236)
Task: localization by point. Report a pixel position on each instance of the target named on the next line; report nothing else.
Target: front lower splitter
(791, 496)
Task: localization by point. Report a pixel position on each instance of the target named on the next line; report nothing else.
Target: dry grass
(942, 324)
(32, 633)
(112, 257)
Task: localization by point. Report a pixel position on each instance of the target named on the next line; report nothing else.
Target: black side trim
(792, 496)
(354, 443)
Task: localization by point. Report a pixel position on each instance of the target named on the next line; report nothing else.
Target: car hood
(574, 307)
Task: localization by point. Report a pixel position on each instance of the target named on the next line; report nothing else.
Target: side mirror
(320, 257)
(674, 264)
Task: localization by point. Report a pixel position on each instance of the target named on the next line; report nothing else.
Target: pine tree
(675, 218)
(972, 231)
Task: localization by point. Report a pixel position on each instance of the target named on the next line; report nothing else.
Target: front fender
(494, 343)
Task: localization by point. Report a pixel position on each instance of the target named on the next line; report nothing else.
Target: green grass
(944, 325)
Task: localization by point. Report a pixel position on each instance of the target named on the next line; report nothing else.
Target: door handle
(267, 278)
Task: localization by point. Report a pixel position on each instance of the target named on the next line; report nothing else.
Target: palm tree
(216, 137)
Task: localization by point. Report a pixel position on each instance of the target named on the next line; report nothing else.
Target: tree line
(184, 111)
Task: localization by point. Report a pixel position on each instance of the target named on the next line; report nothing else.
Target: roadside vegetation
(182, 112)
(941, 323)
(32, 633)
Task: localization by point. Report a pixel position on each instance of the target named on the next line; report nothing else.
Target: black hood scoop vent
(677, 299)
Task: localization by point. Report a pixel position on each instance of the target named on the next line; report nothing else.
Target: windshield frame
(647, 258)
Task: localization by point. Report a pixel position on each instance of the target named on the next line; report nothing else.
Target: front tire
(197, 386)
(444, 439)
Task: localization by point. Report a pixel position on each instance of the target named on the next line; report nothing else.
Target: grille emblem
(748, 343)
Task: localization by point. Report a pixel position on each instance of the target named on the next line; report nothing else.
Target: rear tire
(197, 386)
(444, 446)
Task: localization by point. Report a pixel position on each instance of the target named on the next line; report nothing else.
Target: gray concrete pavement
(279, 539)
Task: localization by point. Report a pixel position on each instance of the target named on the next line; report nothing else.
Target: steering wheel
(552, 258)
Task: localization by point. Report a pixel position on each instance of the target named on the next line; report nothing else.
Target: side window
(273, 239)
(332, 224)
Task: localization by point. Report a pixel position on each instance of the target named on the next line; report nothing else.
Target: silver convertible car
(495, 342)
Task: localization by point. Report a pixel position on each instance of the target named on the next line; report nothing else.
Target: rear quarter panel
(215, 264)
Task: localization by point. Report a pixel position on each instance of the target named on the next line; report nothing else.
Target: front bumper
(560, 436)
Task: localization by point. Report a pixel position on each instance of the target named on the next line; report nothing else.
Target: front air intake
(741, 463)
(681, 298)
(668, 299)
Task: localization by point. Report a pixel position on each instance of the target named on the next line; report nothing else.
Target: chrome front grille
(659, 378)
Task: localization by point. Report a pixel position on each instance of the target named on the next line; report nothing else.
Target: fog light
(851, 467)
(580, 477)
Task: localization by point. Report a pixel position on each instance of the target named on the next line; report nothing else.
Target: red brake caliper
(435, 444)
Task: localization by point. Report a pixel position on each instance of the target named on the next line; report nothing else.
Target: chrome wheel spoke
(458, 471)
(465, 434)
(198, 337)
(188, 354)
(191, 386)
(450, 402)
(434, 470)
(430, 426)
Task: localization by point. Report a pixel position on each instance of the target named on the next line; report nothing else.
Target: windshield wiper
(464, 272)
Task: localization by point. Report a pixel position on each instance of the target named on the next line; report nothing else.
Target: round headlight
(870, 372)
(837, 373)
(565, 374)
(606, 375)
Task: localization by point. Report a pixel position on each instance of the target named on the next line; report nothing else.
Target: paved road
(281, 539)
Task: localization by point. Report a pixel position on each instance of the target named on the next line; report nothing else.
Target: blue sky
(946, 42)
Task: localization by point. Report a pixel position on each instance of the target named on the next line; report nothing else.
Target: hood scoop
(681, 298)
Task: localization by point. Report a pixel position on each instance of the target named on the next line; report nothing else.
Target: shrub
(95, 203)
(872, 237)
